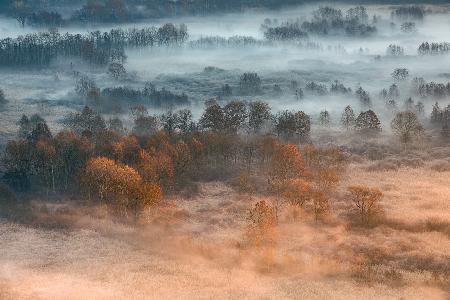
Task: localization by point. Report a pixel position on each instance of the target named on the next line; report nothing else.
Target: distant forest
(48, 12)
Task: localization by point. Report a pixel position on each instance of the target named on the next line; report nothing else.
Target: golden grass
(195, 249)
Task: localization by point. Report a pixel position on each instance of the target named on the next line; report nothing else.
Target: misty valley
(270, 149)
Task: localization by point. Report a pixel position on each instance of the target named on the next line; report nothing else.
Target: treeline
(431, 89)
(112, 99)
(427, 48)
(147, 96)
(41, 49)
(93, 158)
(440, 117)
(407, 13)
(222, 42)
(326, 21)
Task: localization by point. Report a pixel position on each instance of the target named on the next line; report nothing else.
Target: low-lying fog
(352, 61)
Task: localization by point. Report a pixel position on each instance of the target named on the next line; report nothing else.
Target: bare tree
(407, 126)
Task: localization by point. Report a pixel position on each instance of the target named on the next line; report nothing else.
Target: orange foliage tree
(262, 224)
(120, 186)
(286, 164)
(366, 201)
(297, 191)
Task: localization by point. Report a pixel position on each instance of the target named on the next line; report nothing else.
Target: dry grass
(194, 248)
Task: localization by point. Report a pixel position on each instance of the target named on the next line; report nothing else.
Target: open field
(197, 250)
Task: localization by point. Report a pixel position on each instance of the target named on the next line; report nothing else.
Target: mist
(197, 151)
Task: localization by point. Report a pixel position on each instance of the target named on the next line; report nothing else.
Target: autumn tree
(407, 126)
(286, 164)
(366, 201)
(120, 187)
(262, 224)
(348, 118)
(320, 204)
(297, 191)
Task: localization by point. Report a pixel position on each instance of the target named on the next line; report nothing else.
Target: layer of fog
(50, 91)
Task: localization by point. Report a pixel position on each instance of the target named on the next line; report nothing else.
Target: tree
(297, 191)
(348, 118)
(120, 186)
(8, 201)
(115, 124)
(18, 165)
(363, 97)
(419, 108)
(408, 27)
(87, 120)
(226, 91)
(324, 118)
(21, 11)
(235, 115)
(407, 126)
(289, 125)
(138, 111)
(147, 195)
(409, 104)
(213, 118)
(321, 204)
(400, 74)
(366, 201)
(169, 122)
(250, 84)
(117, 70)
(395, 50)
(394, 92)
(184, 122)
(436, 114)
(145, 126)
(40, 132)
(262, 223)
(368, 122)
(446, 122)
(2, 97)
(286, 164)
(259, 114)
